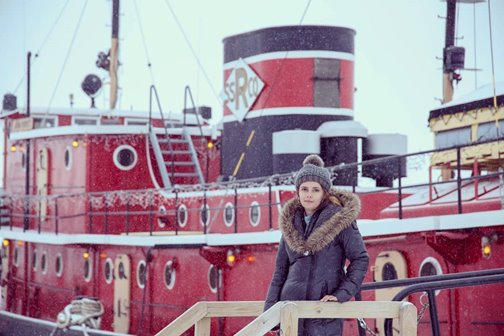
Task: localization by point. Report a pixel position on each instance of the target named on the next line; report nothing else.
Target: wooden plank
(234, 308)
(202, 327)
(263, 323)
(353, 309)
(289, 319)
(185, 321)
(407, 319)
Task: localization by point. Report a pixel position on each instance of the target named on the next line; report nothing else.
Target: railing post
(433, 312)
(407, 319)
(151, 197)
(127, 214)
(459, 183)
(205, 223)
(202, 327)
(399, 186)
(106, 214)
(56, 214)
(176, 212)
(90, 213)
(269, 207)
(289, 319)
(235, 210)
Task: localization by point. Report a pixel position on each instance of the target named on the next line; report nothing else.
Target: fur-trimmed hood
(324, 233)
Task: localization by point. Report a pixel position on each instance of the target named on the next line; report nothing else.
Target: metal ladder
(169, 161)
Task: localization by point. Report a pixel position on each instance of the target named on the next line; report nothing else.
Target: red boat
(116, 222)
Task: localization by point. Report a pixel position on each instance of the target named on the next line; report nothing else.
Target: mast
(114, 53)
(448, 71)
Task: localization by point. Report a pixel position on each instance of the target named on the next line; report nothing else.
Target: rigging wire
(491, 56)
(193, 51)
(475, 48)
(42, 44)
(273, 84)
(144, 43)
(67, 55)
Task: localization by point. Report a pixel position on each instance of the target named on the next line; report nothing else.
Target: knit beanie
(313, 170)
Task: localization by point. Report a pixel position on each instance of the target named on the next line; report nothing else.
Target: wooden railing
(287, 313)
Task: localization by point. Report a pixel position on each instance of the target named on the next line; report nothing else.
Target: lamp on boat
(5, 243)
(231, 258)
(85, 255)
(75, 143)
(13, 148)
(91, 85)
(486, 249)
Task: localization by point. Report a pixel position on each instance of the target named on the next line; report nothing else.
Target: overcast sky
(397, 75)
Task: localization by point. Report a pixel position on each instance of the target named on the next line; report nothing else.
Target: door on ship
(122, 280)
(42, 182)
(3, 276)
(389, 265)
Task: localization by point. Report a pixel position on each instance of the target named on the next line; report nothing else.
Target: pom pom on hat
(314, 160)
(313, 170)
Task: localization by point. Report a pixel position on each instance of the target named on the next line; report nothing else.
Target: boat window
(16, 256)
(453, 137)
(108, 270)
(43, 262)
(182, 215)
(136, 123)
(110, 121)
(88, 269)
(125, 157)
(389, 272)
(59, 265)
(326, 83)
(68, 158)
(254, 214)
(141, 274)
(229, 214)
(85, 121)
(170, 274)
(44, 122)
(489, 131)
(204, 215)
(34, 260)
(161, 213)
(430, 266)
(213, 278)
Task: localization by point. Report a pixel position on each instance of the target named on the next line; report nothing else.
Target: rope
(273, 84)
(67, 56)
(146, 51)
(82, 312)
(192, 51)
(43, 44)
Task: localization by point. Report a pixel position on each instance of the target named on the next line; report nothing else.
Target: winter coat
(311, 265)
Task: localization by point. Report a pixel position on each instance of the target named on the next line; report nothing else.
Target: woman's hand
(329, 298)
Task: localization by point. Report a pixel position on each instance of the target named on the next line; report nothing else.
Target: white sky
(397, 75)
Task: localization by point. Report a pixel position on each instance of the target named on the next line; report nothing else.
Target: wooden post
(289, 319)
(202, 327)
(407, 319)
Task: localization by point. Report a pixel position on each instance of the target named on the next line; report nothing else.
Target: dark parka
(310, 265)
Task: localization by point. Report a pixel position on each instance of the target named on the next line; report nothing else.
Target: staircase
(177, 159)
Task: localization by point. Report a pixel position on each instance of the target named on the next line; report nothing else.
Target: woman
(319, 234)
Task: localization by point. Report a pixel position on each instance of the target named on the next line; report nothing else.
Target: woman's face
(311, 195)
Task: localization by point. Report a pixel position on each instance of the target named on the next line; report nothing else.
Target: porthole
(160, 214)
(108, 270)
(43, 262)
(204, 215)
(430, 266)
(182, 215)
(170, 274)
(229, 214)
(34, 260)
(88, 269)
(389, 272)
(125, 157)
(254, 214)
(16, 256)
(141, 274)
(68, 158)
(213, 278)
(59, 265)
